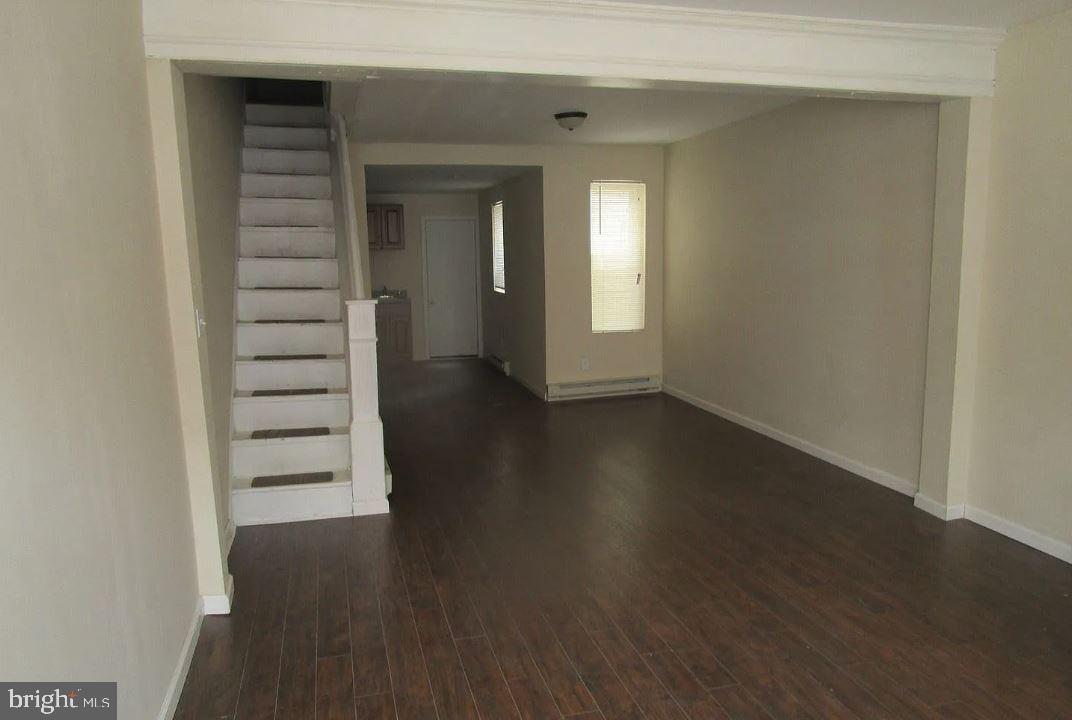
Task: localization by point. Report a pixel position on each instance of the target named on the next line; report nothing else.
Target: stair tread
(321, 151)
(329, 394)
(250, 437)
(278, 357)
(313, 321)
(290, 357)
(283, 228)
(292, 479)
(297, 391)
(289, 322)
(289, 432)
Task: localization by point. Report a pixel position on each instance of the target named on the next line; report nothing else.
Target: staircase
(290, 447)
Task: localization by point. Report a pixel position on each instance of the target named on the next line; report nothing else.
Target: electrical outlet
(585, 365)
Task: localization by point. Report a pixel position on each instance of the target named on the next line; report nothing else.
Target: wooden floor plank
(450, 687)
(297, 669)
(486, 679)
(260, 680)
(334, 688)
(375, 707)
(364, 558)
(333, 613)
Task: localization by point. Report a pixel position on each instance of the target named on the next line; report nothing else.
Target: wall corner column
(368, 474)
(959, 240)
(178, 230)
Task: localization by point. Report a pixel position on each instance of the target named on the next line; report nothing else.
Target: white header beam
(590, 39)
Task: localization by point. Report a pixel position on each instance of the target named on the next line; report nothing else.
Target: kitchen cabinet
(386, 227)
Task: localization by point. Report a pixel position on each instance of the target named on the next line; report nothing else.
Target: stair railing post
(366, 428)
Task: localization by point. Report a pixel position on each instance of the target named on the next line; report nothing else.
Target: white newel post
(366, 429)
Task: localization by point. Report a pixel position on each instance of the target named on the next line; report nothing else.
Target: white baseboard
(371, 507)
(937, 509)
(1051, 546)
(182, 668)
(901, 485)
(219, 604)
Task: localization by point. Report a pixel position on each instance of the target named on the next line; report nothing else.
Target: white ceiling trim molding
(555, 37)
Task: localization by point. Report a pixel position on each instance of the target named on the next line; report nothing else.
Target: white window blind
(617, 246)
(498, 257)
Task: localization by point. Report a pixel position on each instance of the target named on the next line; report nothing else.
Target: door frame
(424, 279)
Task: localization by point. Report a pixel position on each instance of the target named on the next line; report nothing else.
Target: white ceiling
(391, 179)
(972, 13)
(448, 110)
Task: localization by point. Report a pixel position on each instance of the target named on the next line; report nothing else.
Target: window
(498, 258)
(617, 246)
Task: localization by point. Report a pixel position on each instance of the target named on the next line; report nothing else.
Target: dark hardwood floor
(627, 558)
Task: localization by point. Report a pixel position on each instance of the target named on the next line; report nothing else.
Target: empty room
(532, 359)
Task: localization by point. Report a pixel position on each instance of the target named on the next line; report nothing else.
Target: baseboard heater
(604, 388)
(503, 365)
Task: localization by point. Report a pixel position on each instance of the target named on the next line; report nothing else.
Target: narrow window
(617, 246)
(498, 258)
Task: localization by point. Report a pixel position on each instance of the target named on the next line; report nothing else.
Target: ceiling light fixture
(571, 119)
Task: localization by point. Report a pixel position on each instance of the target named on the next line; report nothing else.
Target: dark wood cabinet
(386, 227)
(394, 331)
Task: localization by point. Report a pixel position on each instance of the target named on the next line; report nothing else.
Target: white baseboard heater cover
(604, 388)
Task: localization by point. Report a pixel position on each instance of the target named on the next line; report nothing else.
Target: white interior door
(450, 261)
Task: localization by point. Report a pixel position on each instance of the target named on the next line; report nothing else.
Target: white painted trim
(569, 38)
(901, 485)
(423, 250)
(341, 146)
(292, 503)
(652, 14)
(371, 507)
(937, 509)
(1044, 543)
(182, 667)
(219, 604)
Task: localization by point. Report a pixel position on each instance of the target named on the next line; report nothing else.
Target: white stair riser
(290, 339)
(286, 162)
(269, 273)
(286, 242)
(300, 411)
(285, 115)
(289, 305)
(259, 506)
(286, 186)
(251, 458)
(290, 138)
(286, 212)
(289, 375)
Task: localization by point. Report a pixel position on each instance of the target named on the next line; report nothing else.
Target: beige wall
(95, 530)
(797, 274)
(1021, 449)
(515, 321)
(215, 113)
(403, 269)
(567, 172)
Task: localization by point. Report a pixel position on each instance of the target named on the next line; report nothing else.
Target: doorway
(450, 281)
